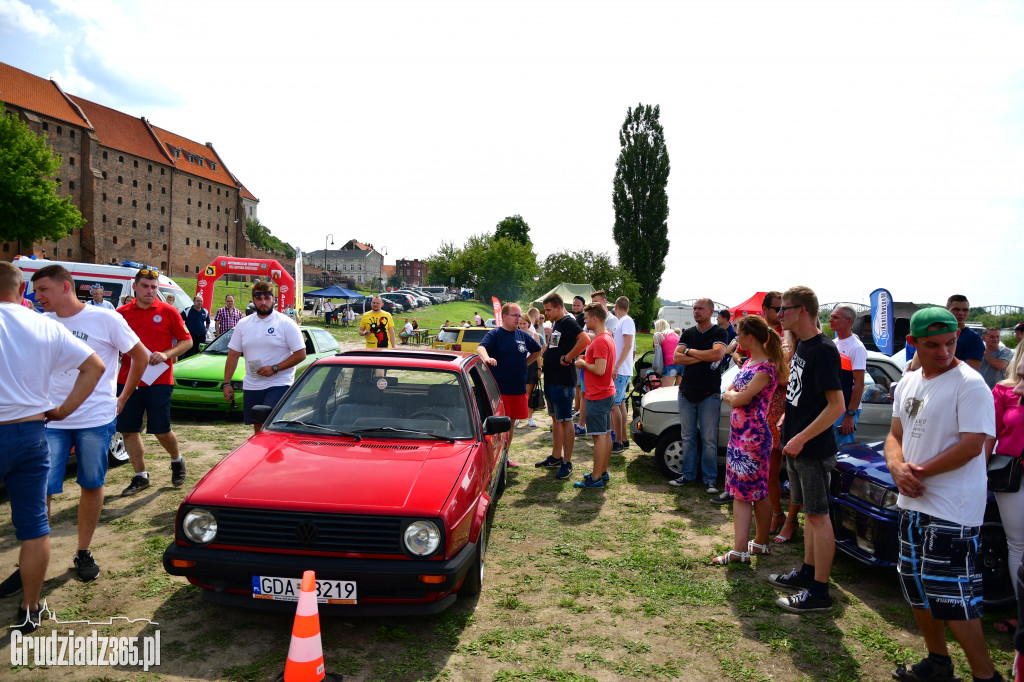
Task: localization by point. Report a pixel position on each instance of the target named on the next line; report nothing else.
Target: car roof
(400, 357)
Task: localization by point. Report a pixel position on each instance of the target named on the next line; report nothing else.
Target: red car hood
(276, 471)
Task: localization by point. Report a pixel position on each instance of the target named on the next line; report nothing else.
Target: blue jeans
(703, 416)
(847, 439)
(91, 446)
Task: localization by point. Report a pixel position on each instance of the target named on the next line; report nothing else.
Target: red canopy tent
(751, 306)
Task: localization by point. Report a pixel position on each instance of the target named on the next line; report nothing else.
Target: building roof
(246, 194)
(356, 245)
(26, 91)
(122, 132)
(387, 271)
(194, 158)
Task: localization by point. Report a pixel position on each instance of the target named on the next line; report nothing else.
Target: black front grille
(189, 383)
(302, 531)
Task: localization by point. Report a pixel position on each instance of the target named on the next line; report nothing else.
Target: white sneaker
(531, 422)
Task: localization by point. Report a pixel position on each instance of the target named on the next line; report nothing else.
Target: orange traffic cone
(305, 653)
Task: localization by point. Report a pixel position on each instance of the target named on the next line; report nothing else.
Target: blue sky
(841, 145)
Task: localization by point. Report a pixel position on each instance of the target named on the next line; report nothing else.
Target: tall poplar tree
(641, 206)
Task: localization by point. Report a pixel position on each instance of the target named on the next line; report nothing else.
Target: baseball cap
(1019, 327)
(926, 317)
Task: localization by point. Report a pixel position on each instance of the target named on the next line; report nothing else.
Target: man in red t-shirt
(162, 331)
(599, 392)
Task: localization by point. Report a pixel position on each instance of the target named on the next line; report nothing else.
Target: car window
(219, 346)
(876, 385)
(371, 400)
(324, 340)
(448, 335)
(483, 401)
(308, 342)
(474, 335)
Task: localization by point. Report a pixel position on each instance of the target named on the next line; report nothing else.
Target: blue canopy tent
(334, 291)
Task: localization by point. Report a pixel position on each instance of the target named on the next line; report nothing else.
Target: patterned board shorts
(938, 566)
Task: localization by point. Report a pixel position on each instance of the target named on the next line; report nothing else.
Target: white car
(656, 424)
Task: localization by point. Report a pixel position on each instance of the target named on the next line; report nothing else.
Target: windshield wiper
(296, 422)
(392, 429)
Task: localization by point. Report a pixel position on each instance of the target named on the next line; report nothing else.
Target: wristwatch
(275, 368)
(686, 351)
(851, 413)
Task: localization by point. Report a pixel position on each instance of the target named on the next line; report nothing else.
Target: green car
(197, 379)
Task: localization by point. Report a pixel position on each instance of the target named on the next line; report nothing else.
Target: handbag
(536, 399)
(659, 359)
(1004, 473)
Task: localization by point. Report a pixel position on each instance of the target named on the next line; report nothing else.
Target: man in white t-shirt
(272, 345)
(406, 332)
(91, 427)
(841, 321)
(33, 349)
(625, 336)
(941, 416)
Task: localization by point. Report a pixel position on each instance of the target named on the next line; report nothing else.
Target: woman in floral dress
(750, 438)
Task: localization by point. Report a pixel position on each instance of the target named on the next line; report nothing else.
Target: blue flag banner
(882, 320)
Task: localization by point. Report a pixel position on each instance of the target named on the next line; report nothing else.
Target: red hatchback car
(379, 470)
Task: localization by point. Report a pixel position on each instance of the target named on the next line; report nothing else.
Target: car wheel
(474, 580)
(997, 589)
(668, 453)
(116, 453)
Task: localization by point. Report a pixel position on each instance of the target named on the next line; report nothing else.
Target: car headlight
(199, 526)
(422, 538)
(874, 494)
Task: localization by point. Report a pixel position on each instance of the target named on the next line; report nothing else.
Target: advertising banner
(882, 320)
(497, 310)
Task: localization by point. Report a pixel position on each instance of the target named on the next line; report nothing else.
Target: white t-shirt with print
(32, 350)
(107, 333)
(624, 325)
(263, 343)
(934, 412)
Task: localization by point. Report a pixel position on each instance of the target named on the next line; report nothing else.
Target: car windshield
(447, 335)
(219, 346)
(377, 402)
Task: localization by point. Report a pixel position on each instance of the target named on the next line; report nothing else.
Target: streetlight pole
(331, 237)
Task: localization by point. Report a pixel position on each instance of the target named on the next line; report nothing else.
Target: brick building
(148, 195)
(412, 272)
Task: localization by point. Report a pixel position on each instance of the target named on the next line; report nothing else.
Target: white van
(678, 316)
(116, 280)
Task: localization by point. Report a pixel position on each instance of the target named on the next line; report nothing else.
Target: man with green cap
(941, 416)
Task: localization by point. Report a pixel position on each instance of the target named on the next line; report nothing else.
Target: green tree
(260, 236)
(641, 206)
(394, 281)
(587, 267)
(515, 228)
(444, 264)
(30, 208)
(507, 268)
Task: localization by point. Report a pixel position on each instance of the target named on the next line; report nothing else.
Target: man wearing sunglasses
(272, 345)
(162, 331)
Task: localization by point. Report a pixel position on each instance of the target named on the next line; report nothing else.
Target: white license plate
(288, 589)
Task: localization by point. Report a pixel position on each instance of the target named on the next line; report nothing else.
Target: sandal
(761, 549)
(772, 530)
(732, 557)
(782, 539)
(1008, 625)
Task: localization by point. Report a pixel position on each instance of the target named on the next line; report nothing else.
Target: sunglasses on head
(263, 294)
(149, 272)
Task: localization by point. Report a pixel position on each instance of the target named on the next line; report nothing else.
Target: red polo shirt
(157, 326)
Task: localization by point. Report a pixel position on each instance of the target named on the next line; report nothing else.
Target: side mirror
(261, 412)
(495, 424)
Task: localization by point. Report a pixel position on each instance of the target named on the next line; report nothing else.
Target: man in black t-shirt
(700, 350)
(567, 341)
(814, 400)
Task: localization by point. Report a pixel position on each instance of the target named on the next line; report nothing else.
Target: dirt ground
(580, 585)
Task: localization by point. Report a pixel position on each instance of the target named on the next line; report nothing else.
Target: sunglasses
(781, 310)
(263, 294)
(149, 272)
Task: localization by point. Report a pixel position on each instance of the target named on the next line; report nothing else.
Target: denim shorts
(154, 402)
(560, 399)
(91, 447)
(621, 384)
(673, 371)
(268, 396)
(599, 416)
(938, 566)
(808, 482)
(24, 468)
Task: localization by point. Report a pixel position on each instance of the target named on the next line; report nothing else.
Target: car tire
(997, 577)
(668, 453)
(117, 454)
(474, 580)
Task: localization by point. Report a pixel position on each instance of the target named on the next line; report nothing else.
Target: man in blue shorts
(272, 345)
(30, 340)
(941, 415)
(566, 342)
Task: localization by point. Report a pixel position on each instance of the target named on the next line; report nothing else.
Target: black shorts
(154, 402)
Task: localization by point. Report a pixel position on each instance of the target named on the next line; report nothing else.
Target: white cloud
(19, 16)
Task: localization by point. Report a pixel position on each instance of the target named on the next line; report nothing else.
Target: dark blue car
(865, 518)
